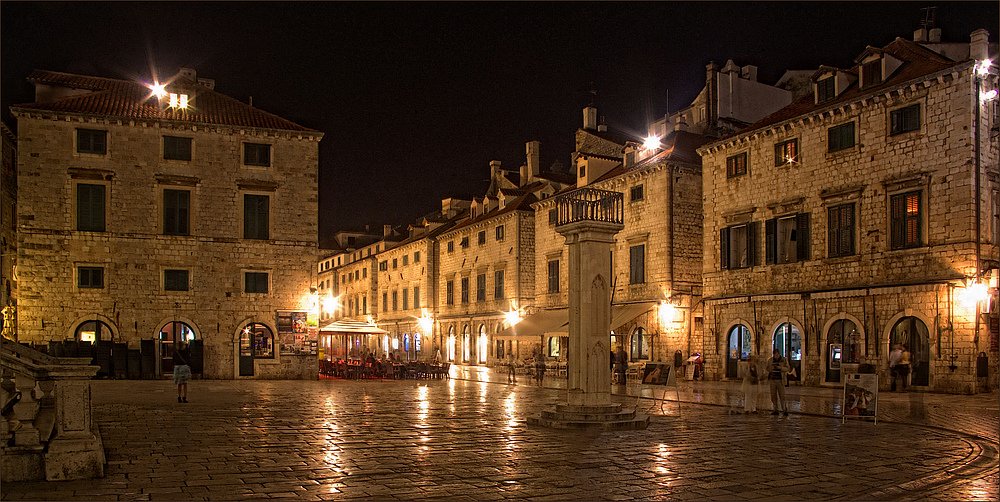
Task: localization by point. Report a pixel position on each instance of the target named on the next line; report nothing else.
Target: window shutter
(724, 249)
(833, 244)
(802, 236)
(897, 222)
(847, 230)
(771, 241)
(752, 229)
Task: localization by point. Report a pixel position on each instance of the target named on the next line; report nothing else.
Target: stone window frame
(732, 164)
(91, 154)
(464, 289)
(552, 279)
(921, 240)
(77, 276)
(243, 155)
(271, 204)
(481, 238)
(782, 155)
(853, 147)
(636, 242)
(161, 200)
(163, 280)
(906, 133)
(637, 193)
(243, 281)
(499, 279)
(75, 183)
(449, 292)
(163, 149)
(501, 233)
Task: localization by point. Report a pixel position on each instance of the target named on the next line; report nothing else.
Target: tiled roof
(679, 146)
(612, 135)
(522, 203)
(133, 101)
(558, 177)
(918, 61)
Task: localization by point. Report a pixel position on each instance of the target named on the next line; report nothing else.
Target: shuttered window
(175, 280)
(481, 288)
(786, 152)
(906, 212)
(92, 141)
(176, 148)
(90, 277)
(90, 208)
(840, 137)
(498, 285)
(786, 239)
(465, 290)
(840, 230)
(637, 264)
(406, 299)
(176, 212)
(553, 276)
(825, 89)
(255, 217)
(904, 119)
(416, 297)
(255, 282)
(736, 165)
(256, 154)
(871, 73)
(737, 246)
(449, 297)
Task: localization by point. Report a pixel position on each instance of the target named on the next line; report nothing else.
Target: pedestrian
(539, 367)
(182, 370)
(621, 359)
(894, 357)
(777, 379)
(903, 367)
(750, 385)
(511, 368)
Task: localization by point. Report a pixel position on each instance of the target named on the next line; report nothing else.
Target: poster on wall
(294, 332)
(860, 396)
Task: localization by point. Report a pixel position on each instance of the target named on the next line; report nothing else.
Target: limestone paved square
(463, 439)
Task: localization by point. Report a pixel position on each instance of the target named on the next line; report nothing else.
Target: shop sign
(294, 332)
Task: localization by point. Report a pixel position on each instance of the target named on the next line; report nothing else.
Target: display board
(860, 396)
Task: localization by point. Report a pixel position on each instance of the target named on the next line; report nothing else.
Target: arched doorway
(788, 341)
(912, 333)
(451, 344)
(171, 334)
(483, 345)
(842, 346)
(739, 348)
(256, 342)
(466, 345)
(93, 332)
(639, 345)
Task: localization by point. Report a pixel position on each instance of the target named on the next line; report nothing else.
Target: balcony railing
(590, 204)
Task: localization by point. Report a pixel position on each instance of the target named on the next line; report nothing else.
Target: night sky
(416, 98)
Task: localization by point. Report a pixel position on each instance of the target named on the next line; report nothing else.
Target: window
(871, 73)
(840, 226)
(786, 239)
(553, 276)
(256, 154)
(395, 300)
(451, 246)
(640, 345)
(176, 148)
(465, 290)
(364, 273)
(364, 304)
(406, 260)
(904, 119)
(552, 216)
(786, 152)
(90, 277)
(465, 241)
(825, 89)
(90, 208)
(416, 297)
(637, 264)
(92, 141)
(736, 165)
(905, 220)
(737, 246)
(176, 212)
(385, 301)
(416, 257)
(383, 265)
(635, 193)
(449, 295)
(498, 285)
(255, 217)
(481, 238)
(356, 275)
(260, 339)
(500, 233)
(93, 331)
(553, 346)
(406, 299)
(840, 137)
(175, 280)
(583, 170)
(394, 264)
(255, 282)
(481, 288)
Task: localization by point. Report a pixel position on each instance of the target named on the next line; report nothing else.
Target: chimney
(386, 230)
(207, 82)
(920, 35)
(749, 72)
(681, 124)
(590, 118)
(979, 45)
(602, 127)
(532, 149)
(494, 169)
(188, 73)
(934, 36)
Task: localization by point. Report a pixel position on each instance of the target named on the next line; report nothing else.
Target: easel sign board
(860, 396)
(656, 374)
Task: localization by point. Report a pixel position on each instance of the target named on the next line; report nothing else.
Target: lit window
(786, 152)
(905, 214)
(736, 165)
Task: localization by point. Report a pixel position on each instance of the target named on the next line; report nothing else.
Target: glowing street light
(651, 142)
(983, 67)
(668, 312)
(159, 90)
(330, 303)
(426, 322)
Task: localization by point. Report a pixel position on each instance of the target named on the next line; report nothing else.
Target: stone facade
(132, 252)
(8, 218)
(865, 238)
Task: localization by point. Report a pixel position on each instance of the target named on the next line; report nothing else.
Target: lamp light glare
(330, 303)
(184, 101)
(983, 67)
(159, 90)
(426, 322)
(512, 317)
(975, 293)
(651, 142)
(668, 313)
(174, 100)
(988, 95)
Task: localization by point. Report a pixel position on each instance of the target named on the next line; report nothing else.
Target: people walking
(750, 379)
(777, 379)
(903, 368)
(511, 368)
(182, 370)
(621, 361)
(539, 367)
(894, 357)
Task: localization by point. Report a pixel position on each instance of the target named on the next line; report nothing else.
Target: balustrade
(590, 204)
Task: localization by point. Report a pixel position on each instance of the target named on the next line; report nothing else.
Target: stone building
(8, 222)
(846, 222)
(165, 213)
(327, 277)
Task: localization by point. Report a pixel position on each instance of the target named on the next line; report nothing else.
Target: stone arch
(915, 359)
(193, 325)
(794, 364)
(115, 331)
(730, 361)
(235, 340)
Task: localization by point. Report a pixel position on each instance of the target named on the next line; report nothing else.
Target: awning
(546, 321)
(621, 314)
(348, 326)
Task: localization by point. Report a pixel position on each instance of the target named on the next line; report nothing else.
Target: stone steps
(610, 417)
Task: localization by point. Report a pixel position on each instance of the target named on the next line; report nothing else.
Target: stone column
(589, 244)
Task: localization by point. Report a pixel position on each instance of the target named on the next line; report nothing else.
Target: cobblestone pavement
(463, 439)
